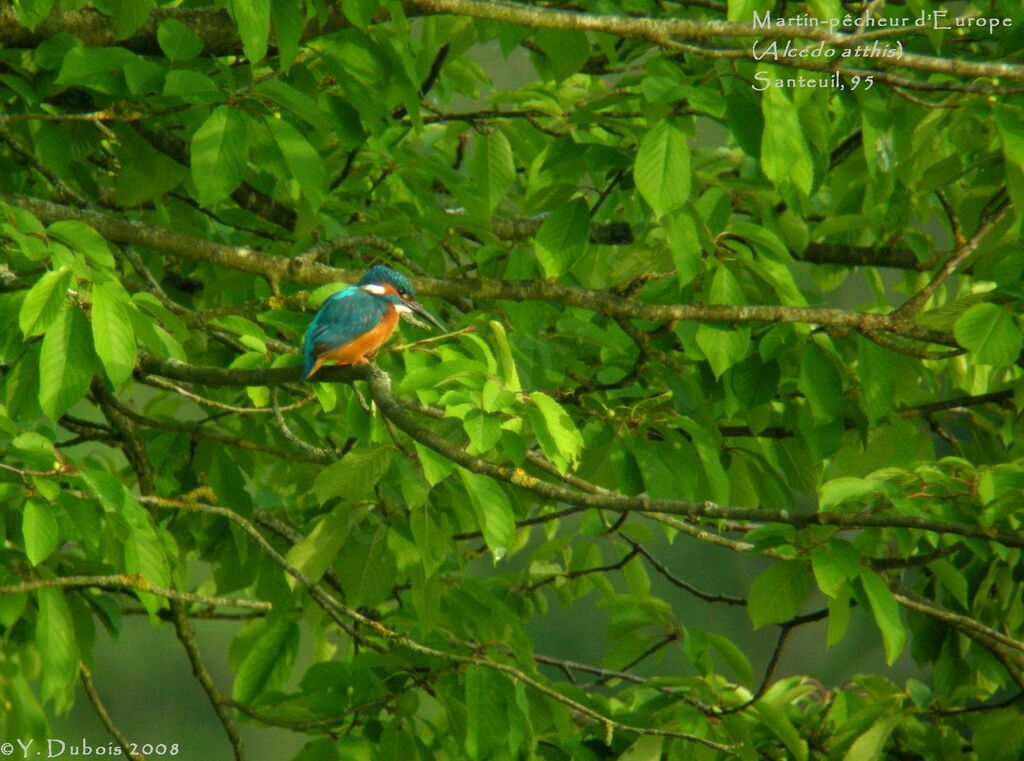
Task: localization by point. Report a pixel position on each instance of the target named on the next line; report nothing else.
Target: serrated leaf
(684, 243)
(785, 155)
(39, 530)
(82, 237)
(130, 16)
(367, 569)
(555, 431)
(43, 302)
(354, 476)
(57, 648)
(990, 334)
(314, 554)
(268, 662)
(253, 20)
(304, 163)
(734, 656)
(780, 725)
(287, 20)
(886, 613)
(488, 721)
(563, 238)
(112, 332)
(662, 167)
(178, 41)
(220, 152)
(723, 345)
(493, 512)
(484, 431)
(492, 169)
(839, 490)
(67, 362)
(778, 593)
(870, 744)
(821, 383)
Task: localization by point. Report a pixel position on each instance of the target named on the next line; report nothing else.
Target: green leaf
(493, 512)
(268, 662)
(724, 345)
(253, 20)
(57, 648)
(734, 656)
(307, 168)
(780, 725)
(39, 529)
(869, 746)
(435, 467)
(483, 430)
(556, 433)
(785, 155)
(314, 554)
(354, 476)
(1010, 123)
(662, 167)
(877, 381)
(990, 334)
(778, 593)
(567, 50)
(82, 237)
(834, 564)
(684, 243)
(488, 717)
(886, 613)
(220, 152)
(506, 362)
(43, 302)
(838, 618)
(99, 68)
(840, 490)
(178, 41)
(952, 580)
(742, 11)
(492, 169)
(999, 736)
(112, 332)
(821, 383)
(563, 238)
(367, 568)
(192, 87)
(130, 16)
(66, 362)
(287, 18)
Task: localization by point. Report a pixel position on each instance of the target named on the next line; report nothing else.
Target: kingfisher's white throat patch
(376, 290)
(403, 308)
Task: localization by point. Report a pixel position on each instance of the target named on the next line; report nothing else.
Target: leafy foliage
(689, 316)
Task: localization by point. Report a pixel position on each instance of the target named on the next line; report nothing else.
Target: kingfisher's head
(392, 286)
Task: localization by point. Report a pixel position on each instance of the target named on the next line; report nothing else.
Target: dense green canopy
(726, 335)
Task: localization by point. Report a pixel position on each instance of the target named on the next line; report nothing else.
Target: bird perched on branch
(356, 321)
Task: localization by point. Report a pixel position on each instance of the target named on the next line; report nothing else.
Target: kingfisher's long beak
(417, 308)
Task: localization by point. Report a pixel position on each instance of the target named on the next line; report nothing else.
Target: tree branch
(299, 270)
(663, 32)
(380, 384)
(133, 582)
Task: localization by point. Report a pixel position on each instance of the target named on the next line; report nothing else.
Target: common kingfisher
(357, 320)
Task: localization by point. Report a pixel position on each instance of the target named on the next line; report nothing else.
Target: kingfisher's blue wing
(341, 319)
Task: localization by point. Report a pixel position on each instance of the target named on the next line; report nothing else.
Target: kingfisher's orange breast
(367, 343)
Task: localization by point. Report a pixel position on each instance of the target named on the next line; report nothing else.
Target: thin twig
(101, 711)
